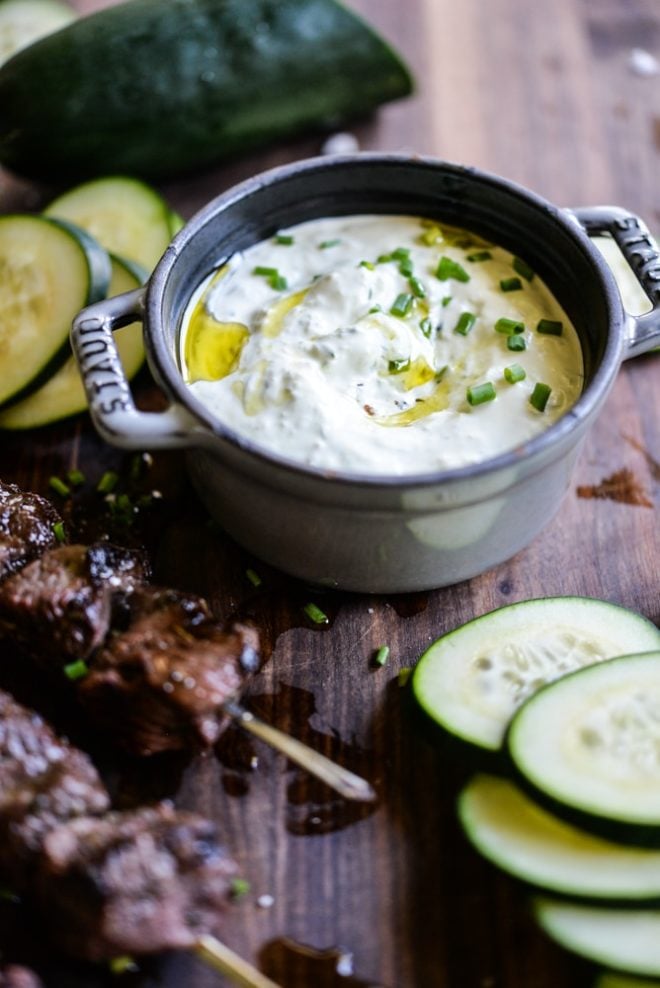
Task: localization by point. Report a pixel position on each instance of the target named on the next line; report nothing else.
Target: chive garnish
(253, 577)
(481, 393)
(382, 655)
(508, 327)
(406, 267)
(426, 327)
(278, 283)
(122, 965)
(265, 272)
(402, 305)
(76, 478)
(401, 253)
(466, 321)
(431, 236)
(284, 239)
(404, 675)
(417, 288)
(58, 531)
(514, 373)
(76, 670)
(539, 396)
(369, 265)
(479, 255)
(375, 308)
(325, 244)
(59, 486)
(383, 258)
(399, 366)
(315, 614)
(446, 300)
(522, 268)
(239, 887)
(550, 327)
(447, 269)
(108, 482)
(516, 343)
(511, 284)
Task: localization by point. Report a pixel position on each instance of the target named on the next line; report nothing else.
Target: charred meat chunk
(160, 682)
(27, 528)
(59, 606)
(14, 976)
(44, 781)
(140, 881)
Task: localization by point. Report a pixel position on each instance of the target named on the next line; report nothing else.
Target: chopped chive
(446, 300)
(404, 675)
(401, 253)
(479, 255)
(369, 265)
(402, 305)
(539, 396)
(417, 288)
(406, 267)
(447, 269)
(431, 236)
(441, 373)
(58, 531)
(384, 258)
(59, 486)
(76, 670)
(516, 343)
(399, 366)
(266, 272)
(466, 321)
(325, 244)
(76, 478)
(108, 482)
(511, 284)
(382, 655)
(550, 327)
(522, 268)
(426, 327)
(508, 327)
(123, 965)
(253, 577)
(239, 887)
(481, 393)
(284, 239)
(375, 308)
(278, 283)
(514, 373)
(315, 614)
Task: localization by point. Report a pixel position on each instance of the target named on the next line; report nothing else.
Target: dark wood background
(542, 93)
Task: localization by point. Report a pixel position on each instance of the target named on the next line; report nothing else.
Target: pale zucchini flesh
(610, 979)
(63, 394)
(24, 21)
(521, 838)
(590, 742)
(48, 272)
(472, 680)
(622, 939)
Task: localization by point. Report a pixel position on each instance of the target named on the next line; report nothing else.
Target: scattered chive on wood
(382, 655)
(315, 614)
(417, 288)
(480, 393)
(76, 478)
(511, 284)
(58, 485)
(399, 365)
(76, 670)
(516, 343)
(108, 482)
(479, 255)
(522, 268)
(514, 373)
(123, 965)
(404, 675)
(239, 887)
(539, 396)
(284, 239)
(466, 321)
(58, 531)
(447, 269)
(253, 577)
(326, 244)
(508, 327)
(402, 305)
(550, 327)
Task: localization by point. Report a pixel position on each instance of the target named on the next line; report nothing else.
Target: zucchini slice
(611, 980)
(48, 272)
(590, 745)
(472, 679)
(128, 217)
(25, 21)
(622, 939)
(63, 394)
(524, 840)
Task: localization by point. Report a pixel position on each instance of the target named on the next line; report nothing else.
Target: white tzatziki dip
(382, 345)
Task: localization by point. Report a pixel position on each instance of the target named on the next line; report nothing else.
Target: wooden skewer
(346, 783)
(218, 956)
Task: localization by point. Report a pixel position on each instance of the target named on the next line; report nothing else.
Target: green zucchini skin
(154, 89)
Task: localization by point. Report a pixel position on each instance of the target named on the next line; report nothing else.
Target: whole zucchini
(155, 89)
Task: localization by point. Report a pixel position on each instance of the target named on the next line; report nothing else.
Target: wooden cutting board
(545, 94)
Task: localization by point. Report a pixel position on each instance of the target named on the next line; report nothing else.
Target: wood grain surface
(542, 93)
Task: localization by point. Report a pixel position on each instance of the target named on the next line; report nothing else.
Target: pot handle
(109, 397)
(642, 254)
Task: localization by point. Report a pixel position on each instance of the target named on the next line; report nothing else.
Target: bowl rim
(587, 405)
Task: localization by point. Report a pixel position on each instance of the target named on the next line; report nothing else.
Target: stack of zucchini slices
(562, 695)
(98, 240)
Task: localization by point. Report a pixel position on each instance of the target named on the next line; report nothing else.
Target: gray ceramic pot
(384, 534)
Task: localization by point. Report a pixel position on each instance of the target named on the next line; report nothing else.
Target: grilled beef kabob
(106, 883)
(151, 665)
